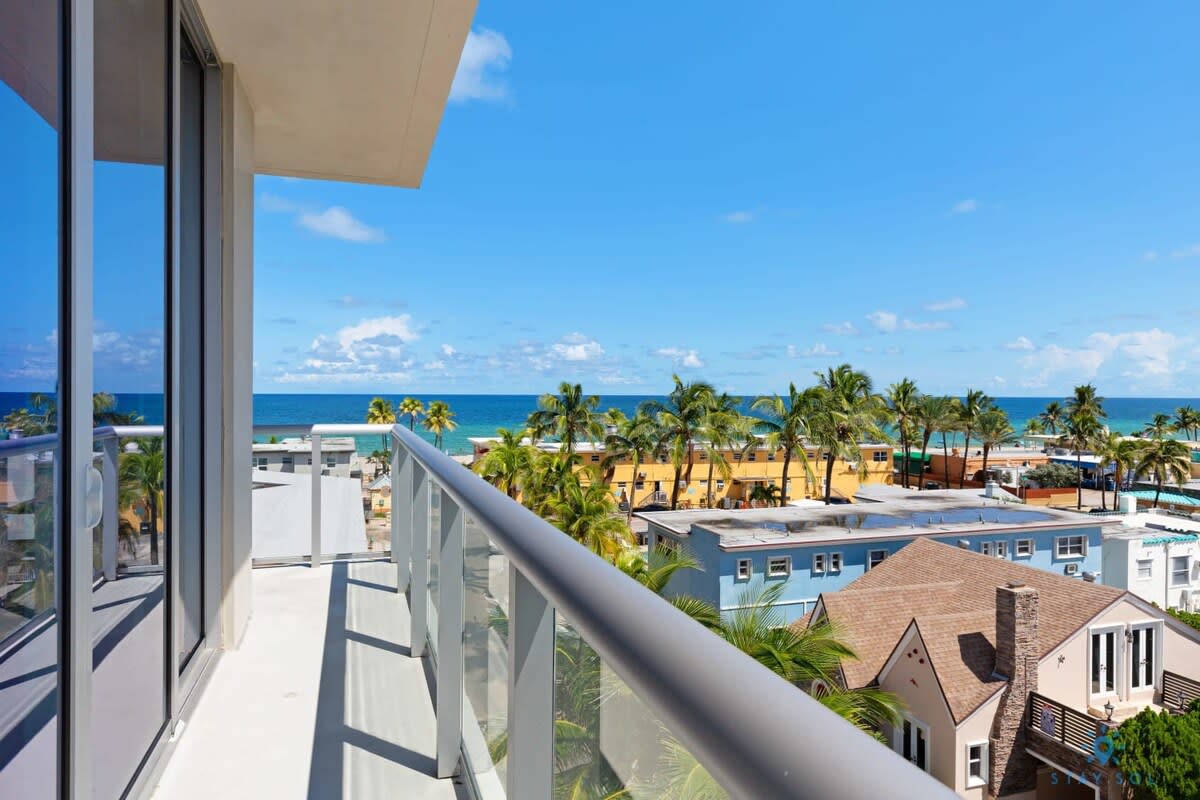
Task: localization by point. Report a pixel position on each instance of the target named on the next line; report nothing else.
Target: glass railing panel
(28, 645)
(485, 659)
(435, 549)
(607, 743)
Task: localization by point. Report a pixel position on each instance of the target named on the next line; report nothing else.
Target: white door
(912, 742)
(1141, 657)
(1104, 663)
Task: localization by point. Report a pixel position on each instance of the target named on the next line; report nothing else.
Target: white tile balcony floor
(321, 700)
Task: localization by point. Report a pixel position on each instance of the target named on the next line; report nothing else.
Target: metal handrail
(11, 448)
(757, 734)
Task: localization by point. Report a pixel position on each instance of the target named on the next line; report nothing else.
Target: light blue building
(816, 548)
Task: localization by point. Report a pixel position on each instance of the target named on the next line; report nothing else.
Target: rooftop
(295, 444)
(956, 618)
(921, 513)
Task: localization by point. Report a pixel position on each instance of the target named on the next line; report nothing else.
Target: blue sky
(1005, 198)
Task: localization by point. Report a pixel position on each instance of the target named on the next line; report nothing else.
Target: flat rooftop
(931, 513)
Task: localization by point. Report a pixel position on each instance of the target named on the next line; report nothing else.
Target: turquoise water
(481, 415)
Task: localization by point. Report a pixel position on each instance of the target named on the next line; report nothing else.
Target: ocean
(482, 414)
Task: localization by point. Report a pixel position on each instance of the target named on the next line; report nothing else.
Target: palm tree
(1052, 418)
(635, 438)
(381, 412)
(679, 421)
(1160, 427)
(786, 426)
(1034, 427)
(141, 480)
(1187, 419)
(903, 397)
(412, 408)
(1082, 430)
(848, 412)
(570, 415)
(1125, 460)
(1107, 449)
(973, 407)
(1164, 459)
(1084, 400)
(505, 461)
(936, 414)
(994, 430)
(382, 459)
(588, 515)
(764, 493)
(722, 430)
(439, 419)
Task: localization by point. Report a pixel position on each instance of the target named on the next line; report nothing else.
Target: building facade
(1156, 557)
(653, 482)
(816, 549)
(295, 455)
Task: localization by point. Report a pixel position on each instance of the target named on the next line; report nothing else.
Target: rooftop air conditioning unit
(1072, 569)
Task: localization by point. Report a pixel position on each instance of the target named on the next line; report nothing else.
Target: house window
(744, 569)
(308, 460)
(751, 456)
(640, 485)
(879, 456)
(998, 549)
(875, 558)
(977, 758)
(1145, 568)
(1070, 546)
(835, 562)
(771, 456)
(720, 484)
(911, 740)
(779, 566)
(1180, 569)
(1104, 665)
(287, 461)
(595, 458)
(331, 462)
(1024, 548)
(682, 484)
(260, 462)
(825, 455)
(737, 456)
(620, 484)
(818, 565)
(703, 483)
(1142, 657)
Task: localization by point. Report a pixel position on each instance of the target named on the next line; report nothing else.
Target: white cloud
(1139, 355)
(436, 365)
(884, 321)
(682, 357)
(1150, 255)
(274, 204)
(965, 206)
(485, 56)
(738, 217)
(338, 223)
(889, 322)
(1020, 343)
(1187, 252)
(952, 304)
(448, 350)
(843, 328)
(576, 347)
(372, 350)
(818, 350)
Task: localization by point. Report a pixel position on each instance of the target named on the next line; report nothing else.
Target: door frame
(1156, 676)
(1118, 680)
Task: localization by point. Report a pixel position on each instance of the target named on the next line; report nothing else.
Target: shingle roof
(951, 592)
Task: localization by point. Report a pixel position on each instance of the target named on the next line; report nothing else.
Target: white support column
(402, 513)
(530, 690)
(110, 521)
(449, 639)
(418, 595)
(315, 551)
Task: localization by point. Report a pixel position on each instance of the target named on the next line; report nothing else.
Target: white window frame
(752, 456)
(1187, 571)
(871, 558)
(1155, 655)
(288, 461)
(744, 569)
(1148, 563)
(835, 561)
(997, 548)
(260, 463)
(1027, 543)
(982, 778)
(720, 484)
(772, 564)
(331, 462)
(1118, 633)
(595, 457)
(1062, 543)
(820, 563)
(898, 739)
(879, 456)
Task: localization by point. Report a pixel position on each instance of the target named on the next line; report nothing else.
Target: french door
(1142, 667)
(1105, 662)
(912, 742)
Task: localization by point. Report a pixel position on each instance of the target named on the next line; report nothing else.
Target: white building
(1157, 557)
(294, 454)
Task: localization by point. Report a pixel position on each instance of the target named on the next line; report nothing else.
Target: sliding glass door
(31, 374)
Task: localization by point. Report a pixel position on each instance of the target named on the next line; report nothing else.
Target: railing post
(418, 595)
(109, 540)
(449, 641)
(315, 552)
(402, 512)
(530, 690)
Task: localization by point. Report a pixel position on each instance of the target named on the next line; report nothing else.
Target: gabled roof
(950, 595)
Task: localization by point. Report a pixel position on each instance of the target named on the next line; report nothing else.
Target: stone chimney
(1012, 770)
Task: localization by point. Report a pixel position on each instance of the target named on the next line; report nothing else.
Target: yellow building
(652, 484)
